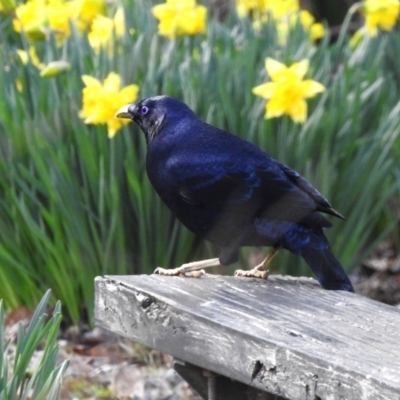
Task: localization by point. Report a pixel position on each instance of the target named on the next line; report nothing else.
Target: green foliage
(74, 204)
(45, 381)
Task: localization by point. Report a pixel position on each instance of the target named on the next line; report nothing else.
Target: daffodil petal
(273, 113)
(23, 55)
(177, 17)
(381, 14)
(300, 68)
(160, 10)
(317, 31)
(274, 68)
(129, 92)
(311, 88)
(90, 81)
(274, 109)
(112, 82)
(298, 111)
(119, 21)
(111, 130)
(266, 90)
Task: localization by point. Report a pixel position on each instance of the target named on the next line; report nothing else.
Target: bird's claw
(179, 272)
(252, 273)
(168, 272)
(195, 274)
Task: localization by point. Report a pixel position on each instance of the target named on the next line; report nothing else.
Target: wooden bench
(239, 338)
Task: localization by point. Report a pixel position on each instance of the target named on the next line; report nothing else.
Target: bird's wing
(267, 191)
(321, 202)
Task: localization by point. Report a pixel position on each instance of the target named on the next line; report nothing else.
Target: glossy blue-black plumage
(232, 193)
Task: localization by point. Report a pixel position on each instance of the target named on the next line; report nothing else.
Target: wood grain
(285, 336)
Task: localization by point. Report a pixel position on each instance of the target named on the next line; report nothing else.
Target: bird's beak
(126, 112)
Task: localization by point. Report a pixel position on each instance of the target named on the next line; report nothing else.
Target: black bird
(232, 193)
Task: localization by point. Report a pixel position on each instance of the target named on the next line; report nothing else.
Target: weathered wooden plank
(225, 388)
(285, 336)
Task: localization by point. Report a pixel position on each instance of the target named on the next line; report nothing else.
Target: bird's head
(154, 113)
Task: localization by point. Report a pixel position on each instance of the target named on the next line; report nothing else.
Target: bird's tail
(327, 269)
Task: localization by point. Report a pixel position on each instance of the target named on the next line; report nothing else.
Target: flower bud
(54, 68)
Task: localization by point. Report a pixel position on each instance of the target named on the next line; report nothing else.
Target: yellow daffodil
(316, 29)
(103, 28)
(285, 13)
(59, 14)
(287, 91)
(264, 8)
(244, 7)
(88, 10)
(180, 17)
(36, 17)
(382, 14)
(278, 9)
(31, 18)
(307, 21)
(101, 33)
(101, 101)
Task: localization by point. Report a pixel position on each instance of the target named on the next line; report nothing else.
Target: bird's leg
(259, 270)
(193, 269)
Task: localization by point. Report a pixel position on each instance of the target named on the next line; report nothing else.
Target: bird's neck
(166, 130)
(152, 131)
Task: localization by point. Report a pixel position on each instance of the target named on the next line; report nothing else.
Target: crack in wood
(272, 370)
(146, 302)
(178, 329)
(155, 310)
(315, 377)
(258, 366)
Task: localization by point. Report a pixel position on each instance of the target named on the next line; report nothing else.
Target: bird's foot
(256, 272)
(260, 270)
(193, 269)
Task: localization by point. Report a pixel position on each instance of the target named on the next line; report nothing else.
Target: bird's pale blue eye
(144, 110)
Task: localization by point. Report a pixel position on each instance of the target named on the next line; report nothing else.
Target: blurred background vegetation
(75, 204)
